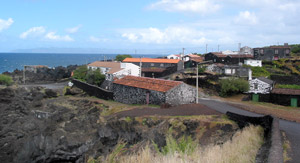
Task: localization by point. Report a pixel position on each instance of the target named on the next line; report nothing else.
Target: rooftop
(265, 80)
(151, 60)
(114, 66)
(159, 85)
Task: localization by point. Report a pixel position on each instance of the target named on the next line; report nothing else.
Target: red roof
(151, 60)
(286, 91)
(159, 85)
(219, 54)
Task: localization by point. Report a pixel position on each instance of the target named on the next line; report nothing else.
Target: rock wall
(93, 90)
(132, 95)
(183, 94)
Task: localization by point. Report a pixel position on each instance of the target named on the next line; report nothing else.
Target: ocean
(11, 61)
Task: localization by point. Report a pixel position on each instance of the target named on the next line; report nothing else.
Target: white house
(254, 63)
(174, 56)
(261, 85)
(115, 69)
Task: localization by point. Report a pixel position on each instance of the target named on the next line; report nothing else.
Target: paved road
(292, 129)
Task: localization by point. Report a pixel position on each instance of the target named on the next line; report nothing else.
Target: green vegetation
(232, 86)
(122, 57)
(260, 71)
(201, 69)
(5, 80)
(92, 77)
(293, 86)
(295, 48)
(184, 145)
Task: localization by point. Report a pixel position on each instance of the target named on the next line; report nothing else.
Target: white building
(115, 69)
(261, 85)
(254, 63)
(174, 56)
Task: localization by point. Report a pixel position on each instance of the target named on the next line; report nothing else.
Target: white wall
(254, 63)
(131, 68)
(173, 57)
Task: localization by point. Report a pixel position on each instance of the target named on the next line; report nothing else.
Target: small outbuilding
(143, 90)
(261, 85)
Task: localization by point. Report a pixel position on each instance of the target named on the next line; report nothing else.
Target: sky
(147, 26)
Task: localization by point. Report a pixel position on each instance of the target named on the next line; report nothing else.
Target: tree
(122, 57)
(232, 86)
(5, 80)
(80, 73)
(95, 77)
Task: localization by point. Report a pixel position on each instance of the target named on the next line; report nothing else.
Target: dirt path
(183, 110)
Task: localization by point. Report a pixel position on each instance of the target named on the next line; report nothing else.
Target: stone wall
(183, 94)
(93, 90)
(132, 95)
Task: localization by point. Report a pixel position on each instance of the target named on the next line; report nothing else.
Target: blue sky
(149, 26)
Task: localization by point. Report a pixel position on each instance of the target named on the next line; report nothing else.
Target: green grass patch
(5, 80)
(292, 86)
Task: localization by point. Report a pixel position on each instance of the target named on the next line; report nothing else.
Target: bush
(232, 86)
(122, 57)
(260, 71)
(5, 80)
(90, 76)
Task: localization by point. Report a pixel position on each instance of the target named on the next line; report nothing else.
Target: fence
(93, 90)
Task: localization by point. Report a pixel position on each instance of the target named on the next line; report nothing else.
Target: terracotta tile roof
(114, 66)
(219, 54)
(153, 69)
(194, 56)
(199, 59)
(159, 85)
(151, 60)
(286, 91)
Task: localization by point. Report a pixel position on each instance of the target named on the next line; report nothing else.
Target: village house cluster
(140, 80)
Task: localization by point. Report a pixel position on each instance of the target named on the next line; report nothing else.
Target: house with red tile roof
(143, 90)
(156, 67)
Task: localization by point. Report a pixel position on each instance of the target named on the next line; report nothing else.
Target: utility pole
(218, 48)
(197, 93)
(182, 53)
(239, 50)
(140, 66)
(206, 48)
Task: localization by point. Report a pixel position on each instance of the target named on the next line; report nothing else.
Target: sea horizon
(10, 61)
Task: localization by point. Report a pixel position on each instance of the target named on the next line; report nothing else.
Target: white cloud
(33, 32)
(183, 35)
(74, 29)
(246, 18)
(195, 6)
(4, 24)
(55, 37)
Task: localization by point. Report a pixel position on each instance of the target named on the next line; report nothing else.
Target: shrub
(232, 86)
(90, 76)
(122, 57)
(260, 71)
(5, 80)
(80, 73)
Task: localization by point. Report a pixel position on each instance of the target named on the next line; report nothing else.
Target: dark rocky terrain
(39, 125)
(43, 75)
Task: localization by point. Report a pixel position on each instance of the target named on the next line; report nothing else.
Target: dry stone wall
(183, 94)
(132, 95)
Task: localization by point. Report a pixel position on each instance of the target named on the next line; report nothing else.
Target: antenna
(206, 48)
(218, 48)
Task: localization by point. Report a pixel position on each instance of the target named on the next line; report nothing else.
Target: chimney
(250, 75)
(286, 44)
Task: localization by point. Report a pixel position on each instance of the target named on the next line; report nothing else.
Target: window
(161, 65)
(287, 51)
(276, 51)
(261, 51)
(152, 64)
(255, 86)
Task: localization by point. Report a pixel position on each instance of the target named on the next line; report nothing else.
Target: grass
(286, 148)
(242, 148)
(293, 86)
